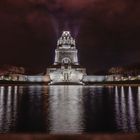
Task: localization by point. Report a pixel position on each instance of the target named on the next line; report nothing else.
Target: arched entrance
(66, 60)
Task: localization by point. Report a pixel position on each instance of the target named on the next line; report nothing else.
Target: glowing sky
(107, 31)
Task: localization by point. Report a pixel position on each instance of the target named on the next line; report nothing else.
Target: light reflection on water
(66, 109)
(69, 109)
(8, 108)
(125, 111)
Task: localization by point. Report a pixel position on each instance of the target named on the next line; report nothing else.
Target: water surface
(69, 109)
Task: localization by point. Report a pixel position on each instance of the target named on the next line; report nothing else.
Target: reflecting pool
(69, 109)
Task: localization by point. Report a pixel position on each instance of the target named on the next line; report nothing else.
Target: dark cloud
(107, 31)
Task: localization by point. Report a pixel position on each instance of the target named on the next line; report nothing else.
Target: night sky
(107, 32)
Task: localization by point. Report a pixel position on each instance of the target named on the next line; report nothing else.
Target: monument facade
(66, 68)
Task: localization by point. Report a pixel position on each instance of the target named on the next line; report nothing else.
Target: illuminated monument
(66, 68)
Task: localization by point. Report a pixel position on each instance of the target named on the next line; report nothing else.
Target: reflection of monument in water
(66, 109)
(66, 68)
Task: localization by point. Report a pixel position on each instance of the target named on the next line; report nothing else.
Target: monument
(66, 68)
